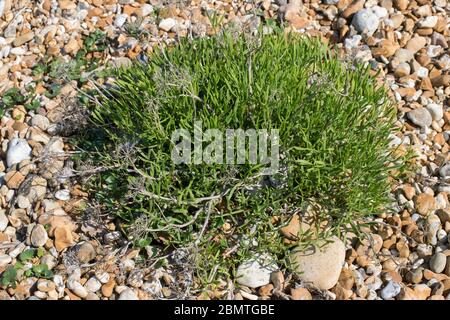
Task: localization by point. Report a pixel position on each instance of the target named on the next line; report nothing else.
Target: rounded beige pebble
(320, 265)
(77, 289)
(438, 262)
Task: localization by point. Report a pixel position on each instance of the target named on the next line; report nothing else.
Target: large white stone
(256, 271)
(18, 150)
(366, 20)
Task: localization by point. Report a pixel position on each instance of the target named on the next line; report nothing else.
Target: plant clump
(335, 125)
